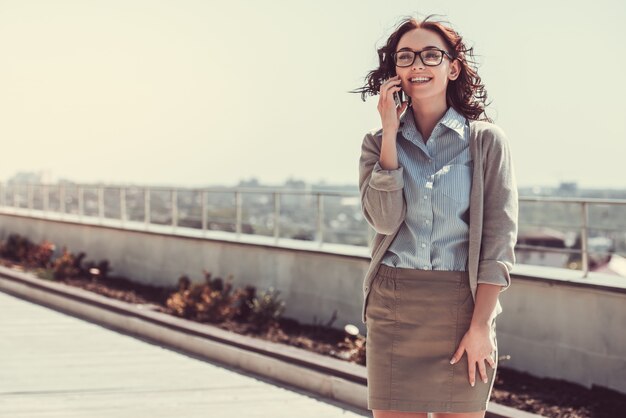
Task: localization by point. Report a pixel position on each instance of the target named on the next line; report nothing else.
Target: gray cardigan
(493, 206)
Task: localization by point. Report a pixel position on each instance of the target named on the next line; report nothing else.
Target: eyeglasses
(430, 57)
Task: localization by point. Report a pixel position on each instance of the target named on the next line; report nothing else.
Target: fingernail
(452, 361)
(485, 380)
(472, 384)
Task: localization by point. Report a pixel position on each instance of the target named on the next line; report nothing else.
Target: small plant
(67, 265)
(211, 301)
(178, 303)
(40, 255)
(216, 300)
(41, 258)
(266, 309)
(16, 248)
(244, 301)
(21, 250)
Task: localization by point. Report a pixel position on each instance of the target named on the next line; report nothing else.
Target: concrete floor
(55, 365)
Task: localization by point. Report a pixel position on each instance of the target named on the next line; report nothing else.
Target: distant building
(567, 188)
(24, 177)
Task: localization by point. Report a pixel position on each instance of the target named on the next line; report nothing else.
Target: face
(416, 40)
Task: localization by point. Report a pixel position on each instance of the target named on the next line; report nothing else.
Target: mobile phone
(397, 96)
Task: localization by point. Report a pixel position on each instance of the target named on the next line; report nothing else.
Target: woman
(438, 186)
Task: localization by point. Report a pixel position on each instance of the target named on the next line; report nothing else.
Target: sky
(196, 93)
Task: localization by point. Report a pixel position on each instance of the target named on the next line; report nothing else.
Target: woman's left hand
(477, 342)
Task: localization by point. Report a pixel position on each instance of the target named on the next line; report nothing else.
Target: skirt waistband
(412, 274)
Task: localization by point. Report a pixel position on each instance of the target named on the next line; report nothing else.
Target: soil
(547, 397)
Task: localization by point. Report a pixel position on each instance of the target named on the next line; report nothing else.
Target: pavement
(58, 365)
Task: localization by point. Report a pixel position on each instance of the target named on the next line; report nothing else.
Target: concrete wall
(551, 327)
(313, 284)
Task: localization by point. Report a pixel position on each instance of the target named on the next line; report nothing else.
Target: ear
(455, 70)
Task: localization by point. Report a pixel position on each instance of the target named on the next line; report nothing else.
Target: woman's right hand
(389, 114)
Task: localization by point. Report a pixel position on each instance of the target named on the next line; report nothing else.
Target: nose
(418, 62)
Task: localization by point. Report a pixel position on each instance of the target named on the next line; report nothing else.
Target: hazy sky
(196, 93)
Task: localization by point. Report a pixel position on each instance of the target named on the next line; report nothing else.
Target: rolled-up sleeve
(386, 180)
(500, 216)
(382, 198)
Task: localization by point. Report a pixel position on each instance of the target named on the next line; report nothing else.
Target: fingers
(475, 355)
(482, 369)
(457, 354)
(388, 83)
(389, 87)
(401, 108)
(387, 105)
(491, 361)
(472, 372)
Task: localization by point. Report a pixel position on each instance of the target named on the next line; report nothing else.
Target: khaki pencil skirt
(415, 321)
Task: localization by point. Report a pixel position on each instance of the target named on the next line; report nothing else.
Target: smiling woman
(431, 292)
(466, 93)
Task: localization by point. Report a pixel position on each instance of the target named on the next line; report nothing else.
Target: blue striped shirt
(437, 182)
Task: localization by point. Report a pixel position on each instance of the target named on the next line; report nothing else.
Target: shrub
(267, 309)
(210, 301)
(16, 248)
(215, 301)
(67, 265)
(244, 302)
(21, 250)
(40, 255)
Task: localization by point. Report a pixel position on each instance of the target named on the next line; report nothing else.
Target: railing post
(276, 217)
(46, 200)
(81, 204)
(320, 219)
(203, 196)
(174, 209)
(122, 205)
(62, 199)
(146, 207)
(100, 204)
(584, 238)
(238, 213)
(31, 194)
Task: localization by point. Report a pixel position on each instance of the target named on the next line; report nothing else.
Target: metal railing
(22, 197)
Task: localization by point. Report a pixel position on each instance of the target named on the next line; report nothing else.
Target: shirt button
(425, 267)
(423, 245)
(426, 221)
(425, 197)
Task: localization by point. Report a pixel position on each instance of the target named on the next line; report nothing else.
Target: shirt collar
(451, 119)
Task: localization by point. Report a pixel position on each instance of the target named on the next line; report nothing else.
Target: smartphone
(398, 96)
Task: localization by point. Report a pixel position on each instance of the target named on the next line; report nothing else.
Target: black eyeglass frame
(416, 53)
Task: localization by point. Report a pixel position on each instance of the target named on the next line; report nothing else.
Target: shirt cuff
(386, 180)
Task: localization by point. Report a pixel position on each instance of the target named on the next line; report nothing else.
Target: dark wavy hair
(466, 94)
